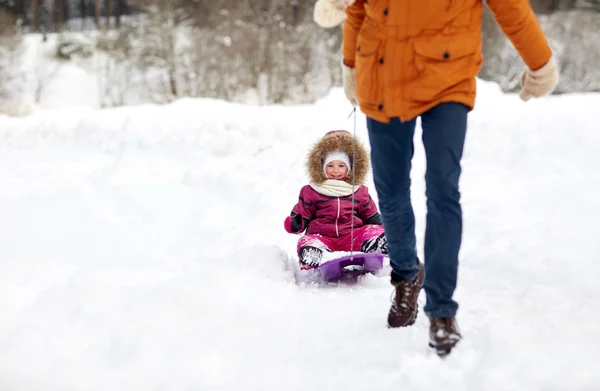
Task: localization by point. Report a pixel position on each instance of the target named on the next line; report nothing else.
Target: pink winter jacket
(331, 216)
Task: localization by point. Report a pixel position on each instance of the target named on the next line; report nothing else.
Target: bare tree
(107, 12)
(573, 36)
(36, 15)
(64, 15)
(50, 24)
(82, 10)
(160, 51)
(97, 13)
(115, 67)
(10, 77)
(119, 10)
(45, 71)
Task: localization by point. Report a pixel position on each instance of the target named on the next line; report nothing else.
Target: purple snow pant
(325, 243)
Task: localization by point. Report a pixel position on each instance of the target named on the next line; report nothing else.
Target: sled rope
(353, 166)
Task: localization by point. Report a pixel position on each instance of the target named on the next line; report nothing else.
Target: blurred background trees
(264, 51)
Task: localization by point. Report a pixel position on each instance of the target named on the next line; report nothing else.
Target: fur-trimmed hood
(343, 141)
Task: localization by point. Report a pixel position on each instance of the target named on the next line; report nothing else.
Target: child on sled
(330, 206)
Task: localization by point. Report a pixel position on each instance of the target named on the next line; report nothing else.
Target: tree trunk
(118, 13)
(23, 13)
(107, 13)
(97, 12)
(295, 12)
(36, 15)
(61, 13)
(172, 59)
(82, 9)
(51, 16)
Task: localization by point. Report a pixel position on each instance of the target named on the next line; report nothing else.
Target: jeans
(392, 149)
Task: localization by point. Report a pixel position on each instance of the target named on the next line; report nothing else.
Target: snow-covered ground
(142, 248)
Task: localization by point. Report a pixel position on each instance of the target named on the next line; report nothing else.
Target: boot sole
(443, 352)
(443, 349)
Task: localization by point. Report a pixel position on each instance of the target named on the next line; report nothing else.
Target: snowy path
(140, 249)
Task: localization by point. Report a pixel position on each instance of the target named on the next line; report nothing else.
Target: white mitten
(330, 13)
(349, 79)
(536, 84)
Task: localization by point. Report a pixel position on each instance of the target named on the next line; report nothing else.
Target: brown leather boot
(405, 308)
(443, 335)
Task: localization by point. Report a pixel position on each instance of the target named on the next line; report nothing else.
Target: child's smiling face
(336, 169)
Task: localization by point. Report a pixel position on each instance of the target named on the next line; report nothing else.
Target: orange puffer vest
(411, 55)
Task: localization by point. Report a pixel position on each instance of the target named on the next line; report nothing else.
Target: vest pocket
(445, 63)
(367, 64)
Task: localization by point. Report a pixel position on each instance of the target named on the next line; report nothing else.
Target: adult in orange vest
(403, 59)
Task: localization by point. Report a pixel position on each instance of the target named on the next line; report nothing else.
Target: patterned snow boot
(443, 335)
(375, 245)
(405, 308)
(310, 257)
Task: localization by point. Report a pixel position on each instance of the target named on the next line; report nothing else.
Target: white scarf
(334, 188)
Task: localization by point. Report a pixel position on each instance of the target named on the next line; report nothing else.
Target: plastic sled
(333, 269)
